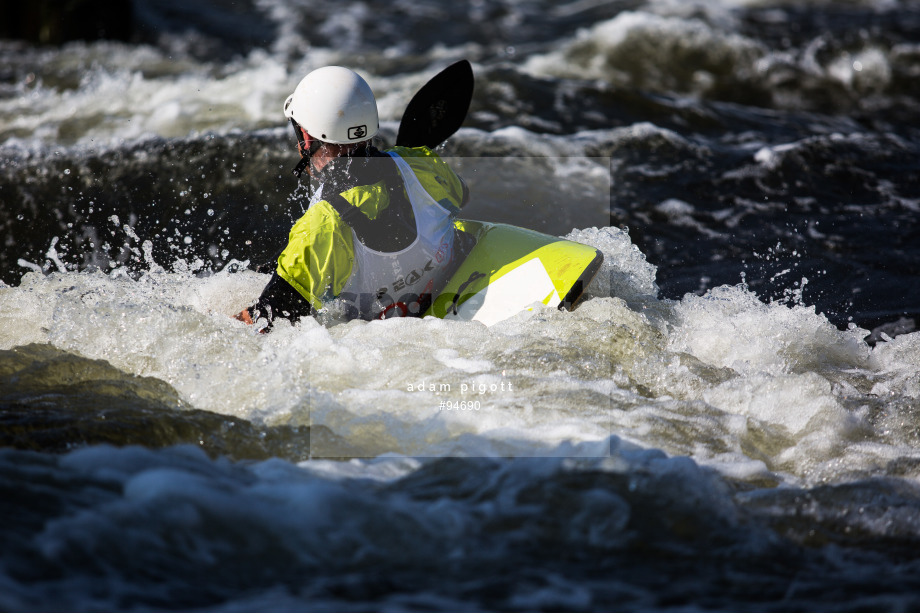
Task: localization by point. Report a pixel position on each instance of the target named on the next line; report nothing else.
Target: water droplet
(66, 171)
(210, 211)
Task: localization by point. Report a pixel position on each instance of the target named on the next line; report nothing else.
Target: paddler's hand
(244, 316)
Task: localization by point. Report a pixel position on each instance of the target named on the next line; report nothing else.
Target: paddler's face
(306, 144)
(318, 152)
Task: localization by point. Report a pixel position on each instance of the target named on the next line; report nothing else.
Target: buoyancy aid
(401, 283)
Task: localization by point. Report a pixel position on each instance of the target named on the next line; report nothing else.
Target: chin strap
(301, 166)
(306, 151)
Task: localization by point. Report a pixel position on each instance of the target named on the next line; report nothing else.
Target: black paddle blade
(438, 109)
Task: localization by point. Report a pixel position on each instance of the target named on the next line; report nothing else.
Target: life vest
(402, 283)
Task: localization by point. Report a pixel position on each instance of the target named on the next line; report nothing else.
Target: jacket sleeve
(280, 300)
(319, 256)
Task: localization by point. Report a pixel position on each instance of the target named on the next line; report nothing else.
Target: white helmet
(335, 105)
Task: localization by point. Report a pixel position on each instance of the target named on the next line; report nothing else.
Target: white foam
(898, 359)
(625, 272)
(730, 327)
(756, 389)
(131, 93)
(643, 49)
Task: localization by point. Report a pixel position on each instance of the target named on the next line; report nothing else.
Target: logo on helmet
(357, 132)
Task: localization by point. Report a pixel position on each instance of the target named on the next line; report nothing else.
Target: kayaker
(378, 233)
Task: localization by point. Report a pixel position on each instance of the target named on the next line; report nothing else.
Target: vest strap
(395, 228)
(347, 211)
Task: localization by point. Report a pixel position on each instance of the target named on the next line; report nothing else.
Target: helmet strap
(306, 151)
(301, 166)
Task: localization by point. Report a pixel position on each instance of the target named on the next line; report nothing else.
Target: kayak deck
(511, 268)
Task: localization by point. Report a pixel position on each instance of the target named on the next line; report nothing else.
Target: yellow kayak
(511, 268)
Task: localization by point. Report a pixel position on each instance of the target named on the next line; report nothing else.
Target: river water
(729, 422)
